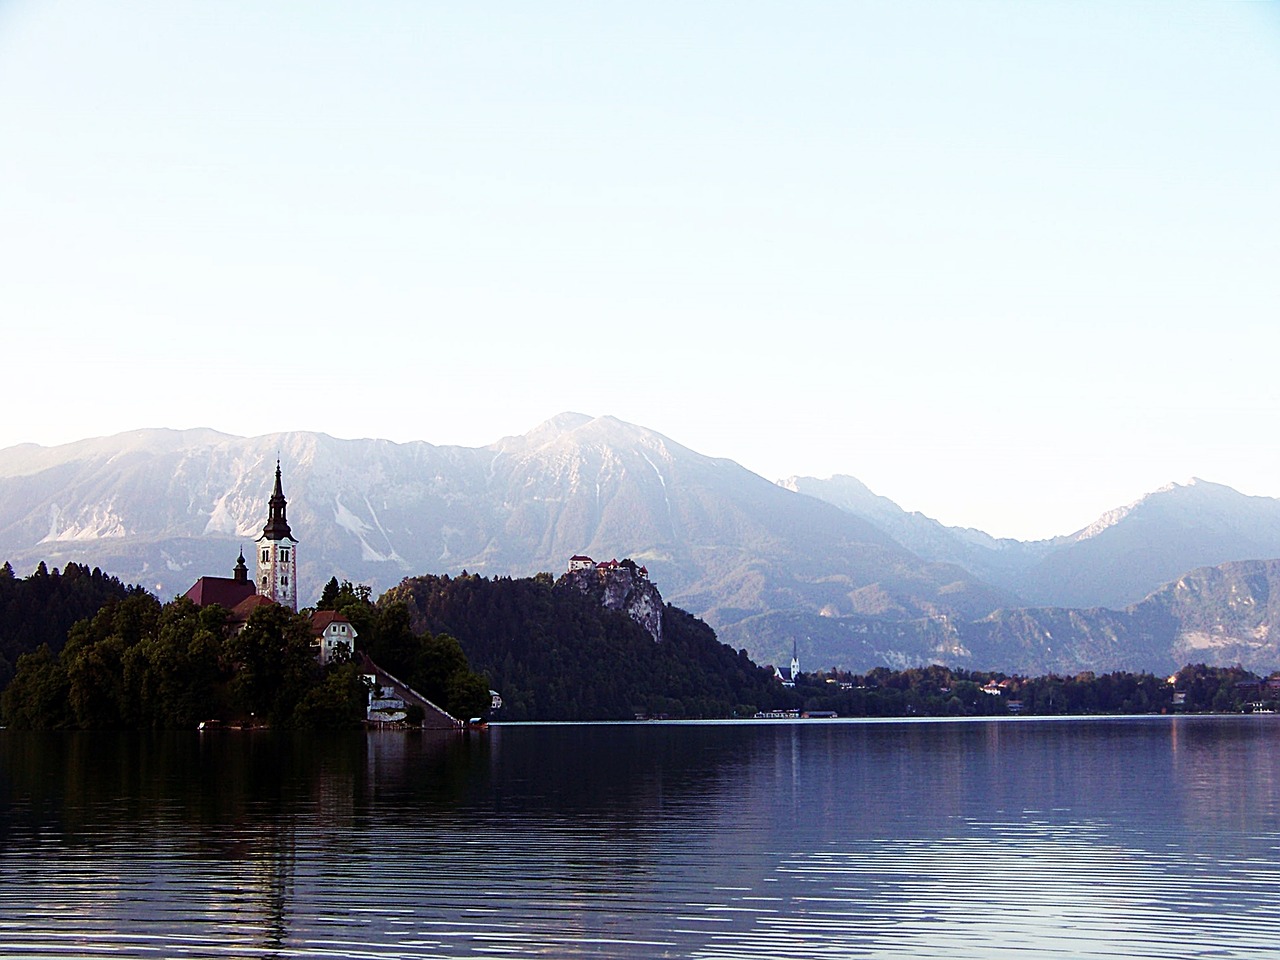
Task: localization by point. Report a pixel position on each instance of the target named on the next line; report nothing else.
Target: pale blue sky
(1009, 263)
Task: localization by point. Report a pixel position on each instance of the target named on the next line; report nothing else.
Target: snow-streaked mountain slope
(163, 507)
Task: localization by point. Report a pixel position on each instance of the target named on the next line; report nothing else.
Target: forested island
(81, 650)
(136, 663)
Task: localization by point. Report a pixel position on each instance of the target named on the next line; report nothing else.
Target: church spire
(277, 527)
(278, 553)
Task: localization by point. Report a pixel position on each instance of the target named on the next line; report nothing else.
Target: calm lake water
(1014, 838)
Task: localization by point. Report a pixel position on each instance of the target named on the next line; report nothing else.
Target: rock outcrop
(621, 585)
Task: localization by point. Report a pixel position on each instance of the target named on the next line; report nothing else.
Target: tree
(37, 697)
(467, 695)
(273, 663)
(339, 700)
(329, 595)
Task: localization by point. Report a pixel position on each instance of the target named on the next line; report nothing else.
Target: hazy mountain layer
(164, 507)
(852, 577)
(1114, 562)
(1223, 615)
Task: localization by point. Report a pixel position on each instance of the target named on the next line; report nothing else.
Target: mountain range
(848, 576)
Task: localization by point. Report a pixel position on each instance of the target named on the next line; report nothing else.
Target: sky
(1011, 264)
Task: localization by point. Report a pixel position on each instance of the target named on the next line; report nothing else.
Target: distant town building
(581, 563)
(788, 674)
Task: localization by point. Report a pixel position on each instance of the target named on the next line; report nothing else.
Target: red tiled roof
(223, 591)
(321, 619)
(580, 557)
(241, 612)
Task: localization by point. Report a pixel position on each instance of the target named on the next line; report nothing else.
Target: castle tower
(278, 553)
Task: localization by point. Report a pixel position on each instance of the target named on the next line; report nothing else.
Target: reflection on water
(1100, 838)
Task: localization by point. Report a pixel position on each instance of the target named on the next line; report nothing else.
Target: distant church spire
(242, 571)
(278, 552)
(277, 527)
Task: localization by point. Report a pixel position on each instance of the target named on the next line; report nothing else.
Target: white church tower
(278, 554)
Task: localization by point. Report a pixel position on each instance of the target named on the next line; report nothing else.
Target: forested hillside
(555, 654)
(40, 609)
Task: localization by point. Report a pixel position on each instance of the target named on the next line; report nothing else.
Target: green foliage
(274, 664)
(37, 697)
(414, 714)
(136, 664)
(339, 700)
(41, 608)
(467, 695)
(329, 595)
(176, 676)
(939, 691)
(555, 654)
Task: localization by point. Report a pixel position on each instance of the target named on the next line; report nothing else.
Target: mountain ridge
(162, 507)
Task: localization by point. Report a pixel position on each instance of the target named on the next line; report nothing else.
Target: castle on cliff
(620, 585)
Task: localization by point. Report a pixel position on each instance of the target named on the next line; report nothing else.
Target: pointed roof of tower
(277, 527)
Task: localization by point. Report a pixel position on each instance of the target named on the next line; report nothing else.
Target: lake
(1133, 837)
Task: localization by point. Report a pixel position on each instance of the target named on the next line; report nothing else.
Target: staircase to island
(388, 690)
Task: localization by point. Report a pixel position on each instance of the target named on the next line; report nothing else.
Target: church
(277, 576)
(333, 636)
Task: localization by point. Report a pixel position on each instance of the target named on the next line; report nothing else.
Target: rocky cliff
(624, 586)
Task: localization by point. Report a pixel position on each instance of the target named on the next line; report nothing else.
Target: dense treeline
(552, 652)
(555, 654)
(41, 608)
(938, 691)
(137, 664)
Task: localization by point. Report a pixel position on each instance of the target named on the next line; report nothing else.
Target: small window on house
(284, 554)
(264, 579)
(284, 581)
(266, 555)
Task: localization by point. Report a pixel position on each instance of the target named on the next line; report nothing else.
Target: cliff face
(621, 587)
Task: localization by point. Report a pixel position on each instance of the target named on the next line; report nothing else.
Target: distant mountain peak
(1108, 520)
(1200, 490)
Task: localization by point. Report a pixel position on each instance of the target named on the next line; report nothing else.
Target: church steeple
(278, 553)
(241, 572)
(277, 527)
